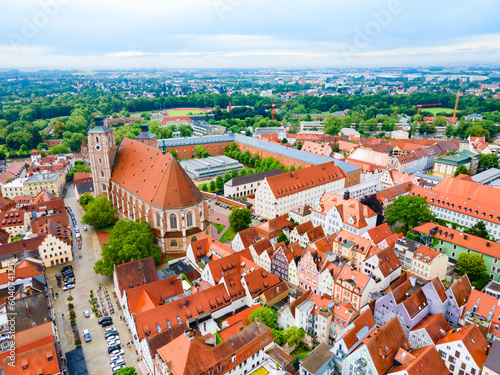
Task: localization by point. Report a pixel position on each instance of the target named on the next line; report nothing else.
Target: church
(145, 184)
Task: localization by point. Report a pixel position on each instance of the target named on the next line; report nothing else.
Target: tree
(234, 173)
(332, 125)
(283, 238)
(461, 169)
(449, 131)
(129, 240)
(240, 218)
(284, 140)
(62, 149)
(377, 207)
(227, 177)
(100, 213)
(213, 186)
(278, 335)
(2, 155)
(440, 121)
(129, 370)
(409, 211)
(424, 128)
(488, 161)
(266, 315)
(200, 153)
(472, 265)
(478, 230)
(293, 335)
(219, 182)
(173, 153)
(79, 168)
(85, 199)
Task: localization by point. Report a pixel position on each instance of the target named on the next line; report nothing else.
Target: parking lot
(95, 351)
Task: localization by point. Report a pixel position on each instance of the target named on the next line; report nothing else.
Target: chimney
(346, 195)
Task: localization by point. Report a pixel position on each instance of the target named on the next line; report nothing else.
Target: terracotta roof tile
(424, 360)
(435, 325)
(365, 319)
(136, 273)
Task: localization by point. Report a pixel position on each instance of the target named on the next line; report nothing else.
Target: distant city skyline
(197, 34)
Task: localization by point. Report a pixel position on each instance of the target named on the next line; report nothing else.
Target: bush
(78, 343)
(70, 306)
(481, 282)
(70, 298)
(72, 314)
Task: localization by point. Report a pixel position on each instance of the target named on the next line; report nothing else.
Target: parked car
(111, 329)
(113, 343)
(106, 318)
(66, 268)
(86, 334)
(251, 196)
(85, 229)
(68, 287)
(117, 352)
(4, 336)
(118, 362)
(113, 349)
(117, 368)
(86, 313)
(115, 358)
(110, 334)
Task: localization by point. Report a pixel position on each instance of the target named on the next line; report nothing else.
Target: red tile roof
(12, 218)
(302, 179)
(227, 332)
(435, 325)
(316, 148)
(348, 209)
(136, 273)
(168, 185)
(424, 360)
(249, 236)
(473, 340)
(379, 233)
(242, 315)
(273, 227)
(389, 194)
(461, 289)
(365, 319)
(425, 254)
(483, 303)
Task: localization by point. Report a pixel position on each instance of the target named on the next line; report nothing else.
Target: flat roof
(42, 177)
(249, 178)
(212, 162)
(487, 176)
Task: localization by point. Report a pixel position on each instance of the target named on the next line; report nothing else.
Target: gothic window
(102, 173)
(173, 243)
(189, 219)
(103, 186)
(173, 221)
(97, 139)
(100, 161)
(158, 219)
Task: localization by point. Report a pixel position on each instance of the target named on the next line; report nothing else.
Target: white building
(247, 185)
(279, 194)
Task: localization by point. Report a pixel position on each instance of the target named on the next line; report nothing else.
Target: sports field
(435, 110)
(184, 111)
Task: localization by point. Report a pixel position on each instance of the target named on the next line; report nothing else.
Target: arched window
(97, 139)
(158, 219)
(102, 173)
(173, 243)
(100, 161)
(189, 219)
(173, 221)
(194, 239)
(103, 186)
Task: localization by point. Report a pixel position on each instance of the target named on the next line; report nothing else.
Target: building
(428, 263)
(446, 166)
(300, 214)
(463, 202)
(348, 245)
(311, 126)
(429, 331)
(43, 181)
(354, 287)
(16, 223)
(242, 353)
(394, 177)
(210, 167)
(272, 228)
(464, 350)
(424, 360)
(334, 212)
(316, 148)
(384, 266)
(144, 184)
(55, 248)
(146, 137)
(377, 353)
(279, 194)
(247, 185)
(387, 196)
(319, 362)
(245, 239)
(452, 243)
(492, 364)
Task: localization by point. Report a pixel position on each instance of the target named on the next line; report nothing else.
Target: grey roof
(493, 285)
(42, 177)
(408, 244)
(212, 162)
(487, 176)
(31, 311)
(75, 361)
(99, 126)
(422, 174)
(85, 187)
(145, 133)
(493, 360)
(317, 358)
(289, 152)
(249, 178)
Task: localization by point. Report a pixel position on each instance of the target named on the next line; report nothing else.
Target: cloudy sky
(112, 34)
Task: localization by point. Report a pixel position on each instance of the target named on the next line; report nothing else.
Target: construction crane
(425, 105)
(274, 105)
(456, 106)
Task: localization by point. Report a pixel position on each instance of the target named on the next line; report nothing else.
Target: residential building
(206, 250)
(311, 126)
(300, 214)
(272, 228)
(354, 287)
(204, 128)
(282, 258)
(247, 185)
(43, 181)
(405, 249)
(13, 188)
(377, 352)
(428, 263)
(245, 238)
(334, 212)
(332, 320)
(319, 362)
(394, 177)
(378, 234)
(351, 246)
(464, 350)
(241, 353)
(463, 202)
(16, 223)
(492, 364)
(382, 265)
(279, 194)
(310, 266)
(55, 249)
(492, 289)
(316, 148)
(387, 196)
(429, 331)
(452, 243)
(424, 360)
(446, 166)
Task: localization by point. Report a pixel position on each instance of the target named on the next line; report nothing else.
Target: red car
(251, 196)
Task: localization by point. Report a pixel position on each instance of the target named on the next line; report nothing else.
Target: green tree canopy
(266, 315)
(293, 335)
(219, 182)
(283, 238)
(472, 265)
(85, 199)
(79, 168)
(332, 125)
(129, 240)
(461, 169)
(100, 213)
(488, 161)
(409, 211)
(129, 370)
(240, 218)
(478, 230)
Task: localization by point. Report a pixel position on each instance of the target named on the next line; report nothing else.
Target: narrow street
(95, 351)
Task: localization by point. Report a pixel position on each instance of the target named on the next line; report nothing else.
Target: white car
(86, 313)
(110, 329)
(118, 362)
(68, 287)
(85, 229)
(115, 369)
(113, 343)
(115, 358)
(117, 352)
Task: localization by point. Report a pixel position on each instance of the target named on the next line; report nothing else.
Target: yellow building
(50, 182)
(447, 165)
(429, 263)
(56, 247)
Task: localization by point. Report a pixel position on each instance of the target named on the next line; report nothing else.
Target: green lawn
(184, 112)
(229, 235)
(220, 227)
(436, 110)
(300, 352)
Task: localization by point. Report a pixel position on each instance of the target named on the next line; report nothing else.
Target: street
(95, 351)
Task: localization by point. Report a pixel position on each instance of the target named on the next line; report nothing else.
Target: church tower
(147, 137)
(101, 153)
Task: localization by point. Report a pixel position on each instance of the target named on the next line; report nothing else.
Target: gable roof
(379, 233)
(473, 340)
(317, 358)
(249, 236)
(347, 209)
(435, 325)
(168, 185)
(423, 360)
(136, 273)
(461, 290)
(365, 319)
